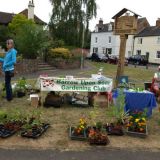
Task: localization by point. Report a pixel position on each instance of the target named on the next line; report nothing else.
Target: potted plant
(6, 125)
(137, 125)
(97, 137)
(20, 88)
(119, 117)
(79, 132)
(34, 128)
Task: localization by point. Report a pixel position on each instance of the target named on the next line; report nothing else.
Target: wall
(26, 66)
(149, 44)
(102, 41)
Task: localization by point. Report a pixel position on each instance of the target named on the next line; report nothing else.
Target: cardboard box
(101, 101)
(34, 98)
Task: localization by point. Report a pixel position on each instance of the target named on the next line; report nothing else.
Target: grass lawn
(61, 118)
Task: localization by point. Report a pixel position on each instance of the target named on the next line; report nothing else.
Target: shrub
(60, 53)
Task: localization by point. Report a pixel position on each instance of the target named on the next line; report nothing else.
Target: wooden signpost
(124, 26)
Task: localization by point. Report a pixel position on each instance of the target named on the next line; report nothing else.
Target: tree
(69, 17)
(4, 35)
(19, 21)
(30, 39)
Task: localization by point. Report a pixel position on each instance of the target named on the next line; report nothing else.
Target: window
(139, 40)
(95, 50)
(129, 53)
(158, 40)
(158, 54)
(109, 39)
(96, 39)
(138, 52)
(104, 50)
(109, 50)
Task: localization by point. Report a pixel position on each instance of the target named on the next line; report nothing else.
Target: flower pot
(114, 130)
(20, 94)
(96, 137)
(75, 136)
(137, 134)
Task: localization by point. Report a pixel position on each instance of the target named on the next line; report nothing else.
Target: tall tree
(70, 18)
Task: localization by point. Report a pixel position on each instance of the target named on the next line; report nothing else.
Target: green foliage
(70, 20)
(18, 22)
(21, 85)
(117, 111)
(3, 116)
(30, 39)
(4, 35)
(60, 53)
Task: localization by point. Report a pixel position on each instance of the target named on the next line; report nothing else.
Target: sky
(106, 9)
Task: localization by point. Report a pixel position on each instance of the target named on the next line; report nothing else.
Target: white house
(147, 42)
(104, 41)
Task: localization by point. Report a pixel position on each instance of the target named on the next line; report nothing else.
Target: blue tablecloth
(139, 101)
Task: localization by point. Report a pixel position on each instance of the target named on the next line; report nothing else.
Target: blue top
(9, 60)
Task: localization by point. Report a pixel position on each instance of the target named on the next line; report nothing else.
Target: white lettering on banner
(76, 84)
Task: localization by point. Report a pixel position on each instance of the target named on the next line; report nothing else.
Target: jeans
(8, 75)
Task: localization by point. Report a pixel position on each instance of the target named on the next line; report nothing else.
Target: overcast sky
(106, 9)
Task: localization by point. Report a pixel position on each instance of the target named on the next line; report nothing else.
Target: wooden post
(120, 68)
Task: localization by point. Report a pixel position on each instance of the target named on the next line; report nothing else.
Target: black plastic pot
(36, 132)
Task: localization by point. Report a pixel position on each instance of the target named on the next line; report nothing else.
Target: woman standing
(8, 63)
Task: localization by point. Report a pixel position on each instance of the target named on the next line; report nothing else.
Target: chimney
(31, 10)
(101, 21)
(158, 22)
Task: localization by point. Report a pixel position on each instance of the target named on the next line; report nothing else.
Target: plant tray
(137, 134)
(4, 133)
(77, 137)
(99, 142)
(37, 133)
(113, 130)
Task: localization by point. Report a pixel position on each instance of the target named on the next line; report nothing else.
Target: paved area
(95, 154)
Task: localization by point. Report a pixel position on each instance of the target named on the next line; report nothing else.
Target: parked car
(113, 59)
(138, 59)
(99, 57)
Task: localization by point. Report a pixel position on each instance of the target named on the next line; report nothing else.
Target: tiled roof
(6, 18)
(36, 19)
(124, 10)
(141, 24)
(149, 31)
(105, 27)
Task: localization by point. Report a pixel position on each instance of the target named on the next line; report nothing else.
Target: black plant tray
(96, 142)
(77, 137)
(36, 133)
(5, 133)
(112, 130)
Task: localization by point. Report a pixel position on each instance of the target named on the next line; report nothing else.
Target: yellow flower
(143, 119)
(136, 120)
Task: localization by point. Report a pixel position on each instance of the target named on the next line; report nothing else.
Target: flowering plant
(79, 130)
(97, 137)
(137, 122)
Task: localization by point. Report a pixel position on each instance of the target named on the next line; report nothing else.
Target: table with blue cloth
(139, 101)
